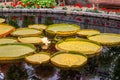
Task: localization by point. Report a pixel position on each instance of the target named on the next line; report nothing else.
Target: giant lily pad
(2, 20)
(63, 29)
(26, 32)
(7, 40)
(34, 40)
(107, 39)
(39, 58)
(14, 51)
(87, 32)
(38, 26)
(79, 45)
(68, 59)
(5, 29)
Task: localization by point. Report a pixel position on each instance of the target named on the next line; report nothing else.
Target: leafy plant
(20, 7)
(39, 3)
(8, 6)
(64, 8)
(1, 6)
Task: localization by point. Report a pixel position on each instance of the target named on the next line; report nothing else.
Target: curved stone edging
(55, 11)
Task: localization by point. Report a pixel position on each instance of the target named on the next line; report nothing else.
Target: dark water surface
(106, 66)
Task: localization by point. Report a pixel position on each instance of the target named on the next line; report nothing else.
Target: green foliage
(1, 6)
(64, 8)
(8, 6)
(39, 3)
(28, 20)
(13, 21)
(48, 21)
(95, 11)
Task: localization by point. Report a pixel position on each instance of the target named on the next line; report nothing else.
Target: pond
(99, 21)
(106, 66)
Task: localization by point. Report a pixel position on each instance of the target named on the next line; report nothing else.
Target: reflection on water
(46, 71)
(13, 71)
(24, 19)
(103, 67)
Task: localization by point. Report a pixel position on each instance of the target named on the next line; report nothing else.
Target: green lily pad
(106, 39)
(63, 29)
(15, 51)
(7, 40)
(2, 20)
(79, 45)
(26, 32)
(68, 60)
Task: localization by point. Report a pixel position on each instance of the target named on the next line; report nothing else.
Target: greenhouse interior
(59, 39)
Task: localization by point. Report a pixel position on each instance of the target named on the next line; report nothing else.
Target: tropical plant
(39, 3)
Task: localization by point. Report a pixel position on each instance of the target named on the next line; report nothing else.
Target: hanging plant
(13, 21)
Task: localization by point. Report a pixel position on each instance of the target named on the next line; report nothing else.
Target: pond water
(106, 66)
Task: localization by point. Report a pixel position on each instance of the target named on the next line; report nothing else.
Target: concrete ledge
(55, 11)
